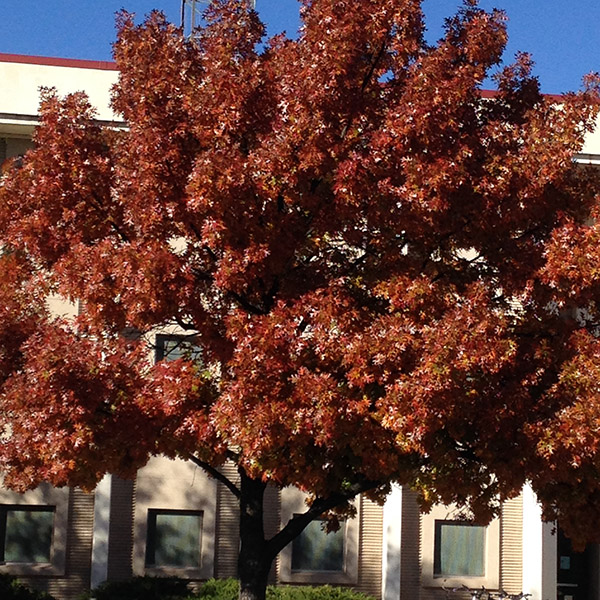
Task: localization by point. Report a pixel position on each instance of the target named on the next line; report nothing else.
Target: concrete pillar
(392, 544)
(539, 550)
(99, 570)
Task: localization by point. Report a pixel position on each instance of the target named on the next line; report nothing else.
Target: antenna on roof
(191, 13)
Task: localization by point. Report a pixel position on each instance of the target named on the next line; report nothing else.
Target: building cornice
(76, 63)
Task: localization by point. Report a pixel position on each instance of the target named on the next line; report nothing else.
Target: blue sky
(562, 35)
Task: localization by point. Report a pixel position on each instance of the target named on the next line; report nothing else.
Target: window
(316, 550)
(174, 538)
(33, 531)
(174, 520)
(26, 534)
(456, 552)
(172, 347)
(459, 549)
(316, 556)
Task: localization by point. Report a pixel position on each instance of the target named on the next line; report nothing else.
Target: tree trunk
(256, 553)
(254, 561)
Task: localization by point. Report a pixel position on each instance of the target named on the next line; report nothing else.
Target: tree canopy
(393, 276)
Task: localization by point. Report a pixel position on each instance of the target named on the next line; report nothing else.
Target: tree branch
(365, 82)
(297, 524)
(245, 304)
(238, 298)
(184, 324)
(233, 456)
(216, 474)
(98, 204)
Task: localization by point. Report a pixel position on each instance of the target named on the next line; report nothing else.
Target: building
(173, 520)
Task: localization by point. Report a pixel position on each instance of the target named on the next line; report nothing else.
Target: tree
(392, 275)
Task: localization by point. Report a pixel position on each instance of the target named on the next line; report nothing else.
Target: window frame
(161, 338)
(293, 502)
(5, 509)
(438, 558)
(321, 522)
(151, 530)
(491, 557)
(43, 497)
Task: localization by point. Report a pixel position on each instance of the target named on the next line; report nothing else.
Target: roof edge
(103, 65)
(495, 93)
(107, 65)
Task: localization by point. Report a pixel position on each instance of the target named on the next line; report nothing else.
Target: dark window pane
(175, 347)
(28, 536)
(316, 550)
(459, 549)
(174, 539)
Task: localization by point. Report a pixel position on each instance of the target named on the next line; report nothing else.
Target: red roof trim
(104, 65)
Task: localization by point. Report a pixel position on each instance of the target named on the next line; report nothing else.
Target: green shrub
(142, 588)
(228, 589)
(11, 589)
(321, 592)
(219, 589)
(172, 588)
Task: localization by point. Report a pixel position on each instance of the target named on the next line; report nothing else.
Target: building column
(99, 569)
(539, 550)
(392, 545)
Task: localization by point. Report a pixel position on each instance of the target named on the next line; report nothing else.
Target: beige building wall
(178, 485)
(174, 485)
(121, 529)
(23, 76)
(227, 542)
(511, 540)
(371, 548)
(416, 547)
(69, 572)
